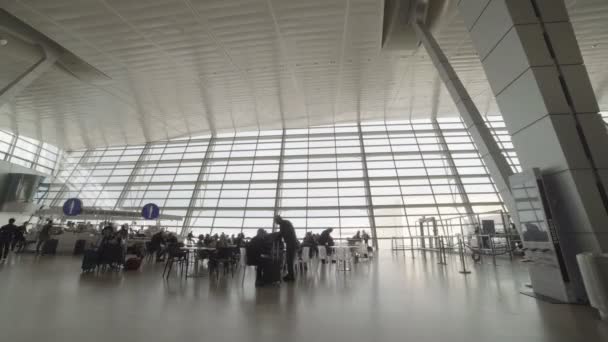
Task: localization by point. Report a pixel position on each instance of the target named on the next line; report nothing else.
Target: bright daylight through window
(344, 176)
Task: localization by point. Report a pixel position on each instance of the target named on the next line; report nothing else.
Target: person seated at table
(171, 239)
(190, 238)
(157, 244)
(254, 250)
(357, 236)
(309, 241)
(223, 241)
(326, 240)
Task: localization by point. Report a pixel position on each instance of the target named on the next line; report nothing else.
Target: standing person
(156, 245)
(365, 237)
(7, 233)
(19, 238)
(288, 234)
(44, 235)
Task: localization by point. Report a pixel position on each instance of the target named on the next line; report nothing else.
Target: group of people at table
(164, 244)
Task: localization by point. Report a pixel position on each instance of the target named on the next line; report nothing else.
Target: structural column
(535, 69)
(277, 198)
(490, 153)
(368, 189)
(197, 186)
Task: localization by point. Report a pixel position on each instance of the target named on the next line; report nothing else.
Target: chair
(243, 262)
(363, 253)
(175, 255)
(223, 258)
(305, 258)
(322, 255)
(344, 258)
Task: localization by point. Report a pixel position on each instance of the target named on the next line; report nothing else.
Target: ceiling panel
(183, 67)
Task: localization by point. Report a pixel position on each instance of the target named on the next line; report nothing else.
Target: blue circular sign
(150, 211)
(72, 207)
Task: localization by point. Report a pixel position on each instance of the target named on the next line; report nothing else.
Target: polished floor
(393, 298)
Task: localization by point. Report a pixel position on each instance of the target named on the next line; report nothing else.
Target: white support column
(277, 198)
(488, 148)
(534, 66)
(368, 189)
(197, 186)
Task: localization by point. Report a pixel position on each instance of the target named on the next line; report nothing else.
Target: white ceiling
(182, 67)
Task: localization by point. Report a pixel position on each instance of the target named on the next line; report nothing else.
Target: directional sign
(72, 207)
(150, 211)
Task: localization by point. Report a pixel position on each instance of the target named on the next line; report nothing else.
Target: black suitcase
(79, 247)
(272, 265)
(50, 247)
(90, 260)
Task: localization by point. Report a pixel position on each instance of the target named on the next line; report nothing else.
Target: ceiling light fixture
(3, 42)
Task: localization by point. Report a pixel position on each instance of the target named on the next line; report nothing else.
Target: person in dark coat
(288, 234)
(326, 240)
(7, 233)
(254, 250)
(19, 238)
(44, 235)
(156, 245)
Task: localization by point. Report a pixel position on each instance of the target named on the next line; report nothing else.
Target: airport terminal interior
(321, 170)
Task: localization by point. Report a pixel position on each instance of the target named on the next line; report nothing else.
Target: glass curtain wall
(28, 152)
(350, 177)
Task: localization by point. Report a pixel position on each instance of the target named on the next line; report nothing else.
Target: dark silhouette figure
(288, 234)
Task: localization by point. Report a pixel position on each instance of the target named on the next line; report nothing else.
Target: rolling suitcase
(132, 264)
(50, 247)
(90, 260)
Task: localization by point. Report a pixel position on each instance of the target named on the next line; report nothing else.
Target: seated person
(19, 237)
(255, 249)
(309, 241)
(326, 240)
(157, 244)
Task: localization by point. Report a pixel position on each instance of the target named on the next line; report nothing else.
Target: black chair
(224, 257)
(175, 255)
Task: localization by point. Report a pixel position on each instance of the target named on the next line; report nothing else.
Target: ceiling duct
(24, 43)
(398, 34)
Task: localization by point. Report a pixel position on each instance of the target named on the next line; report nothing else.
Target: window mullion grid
(156, 165)
(197, 186)
(399, 185)
(125, 190)
(426, 171)
(253, 162)
(337, 182)
(280, 175)
(11, 147)
(65, 186)
(368, 190)
(221, 189)
(109, 175)
(499, 142)
(452, 166)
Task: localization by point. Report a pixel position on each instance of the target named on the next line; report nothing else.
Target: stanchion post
(461, 251)
(491, 238)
